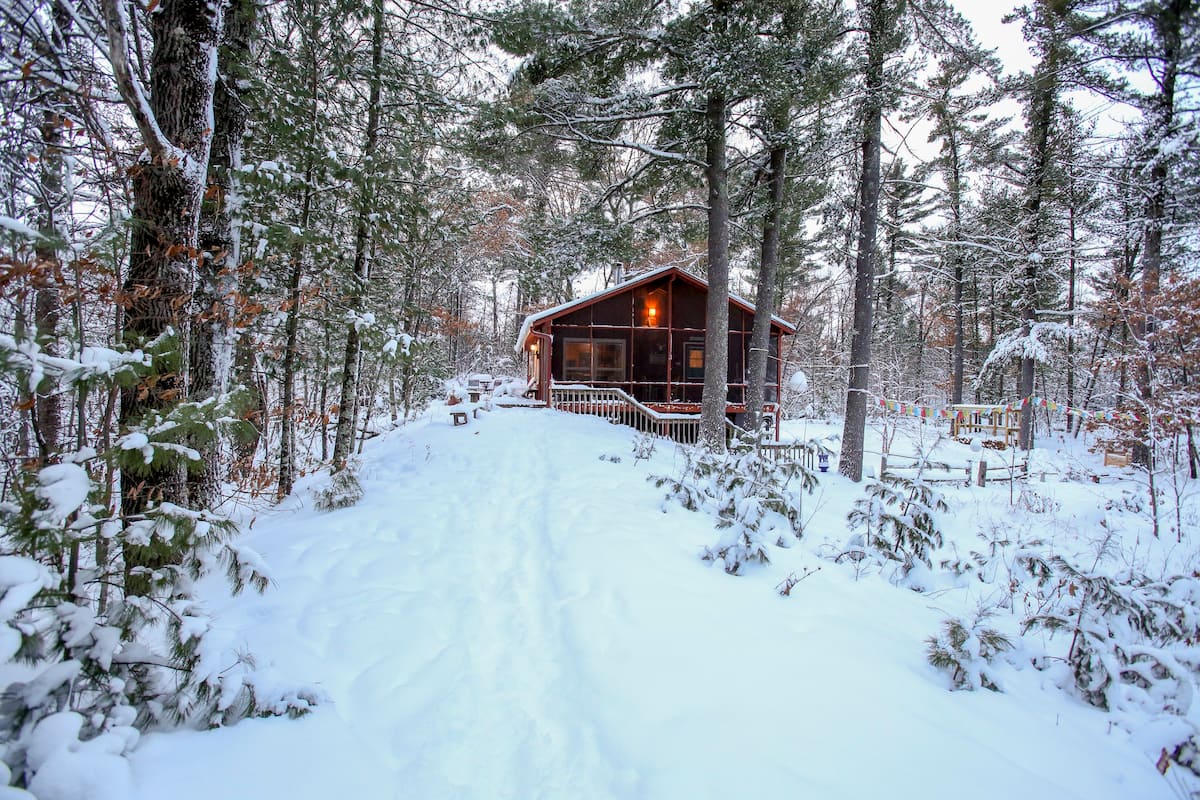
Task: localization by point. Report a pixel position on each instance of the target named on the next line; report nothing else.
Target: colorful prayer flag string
(947, 412)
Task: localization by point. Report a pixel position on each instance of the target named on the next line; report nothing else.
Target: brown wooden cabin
(646, 337)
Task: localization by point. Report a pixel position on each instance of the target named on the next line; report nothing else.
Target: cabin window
(693, 362)
(608, 359)
(594, 360)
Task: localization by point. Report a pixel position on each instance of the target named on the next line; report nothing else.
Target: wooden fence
(974, 472)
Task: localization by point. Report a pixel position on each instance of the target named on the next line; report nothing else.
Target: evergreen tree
(881, 23)
(968, 142)
(797, 72)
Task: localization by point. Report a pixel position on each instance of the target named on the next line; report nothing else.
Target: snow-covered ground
(507, 614)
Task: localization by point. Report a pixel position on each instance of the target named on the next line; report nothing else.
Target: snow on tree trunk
(54, 202)
(219, 240)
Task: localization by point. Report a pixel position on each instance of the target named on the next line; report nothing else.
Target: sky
(985, 17)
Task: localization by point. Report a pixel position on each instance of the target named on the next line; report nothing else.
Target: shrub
(966, 650)
(342, 491)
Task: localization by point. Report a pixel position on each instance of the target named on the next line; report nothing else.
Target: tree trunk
(716, 334)
(219, 240)
(47, 309)
(343, 441)
(954, 188)
(291, 352)
(1045, 92)
(168, 185)
(1072, 243)
(854, 431)
(764, 308)
(245, 366)
(54, 203)
(1168, 21)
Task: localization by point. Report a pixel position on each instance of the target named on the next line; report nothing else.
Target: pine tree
(881, 23)
(968, 141)
(583, 70)
(1168, 43)
(797, 71)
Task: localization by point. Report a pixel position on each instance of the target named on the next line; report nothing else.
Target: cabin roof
(632, 283)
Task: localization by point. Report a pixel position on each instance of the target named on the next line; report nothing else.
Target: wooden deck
(677, 421)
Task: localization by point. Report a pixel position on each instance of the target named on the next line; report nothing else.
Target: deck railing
(621, 408)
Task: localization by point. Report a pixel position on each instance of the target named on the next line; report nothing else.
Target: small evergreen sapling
(897, 520)
(754, 497)
(1131, 637)
(966, 650)
(342, 491)
(100, 606)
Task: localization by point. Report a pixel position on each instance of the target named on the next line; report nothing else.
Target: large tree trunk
(854, 431)
(168, 185)
(768, 270)
(53, 208)
(954, 189)
(219, 240)
(716, 333)
(1168, 21)
(291, 351)
(1045, 93)
(343, 441)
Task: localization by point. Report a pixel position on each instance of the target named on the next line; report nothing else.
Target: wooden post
(981, 479)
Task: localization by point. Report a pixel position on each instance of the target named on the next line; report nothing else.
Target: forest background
(241, 237)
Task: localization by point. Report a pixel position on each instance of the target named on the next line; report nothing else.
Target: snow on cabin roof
(645, 277)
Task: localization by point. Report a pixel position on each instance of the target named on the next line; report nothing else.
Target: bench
(458, 413)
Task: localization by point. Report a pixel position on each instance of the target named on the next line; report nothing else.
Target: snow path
(506, 615)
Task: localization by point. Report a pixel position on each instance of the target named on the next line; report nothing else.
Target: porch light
(652, 316)
(533, 348)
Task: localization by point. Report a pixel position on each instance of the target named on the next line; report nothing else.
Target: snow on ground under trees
(507, 614)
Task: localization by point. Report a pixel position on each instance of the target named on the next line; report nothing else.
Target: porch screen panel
(650, 356)
(615, 311)
(687, 306)
(738, 345)
(771, 390)
(650, 364)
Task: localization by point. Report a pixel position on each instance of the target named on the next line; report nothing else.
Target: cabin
(643, 339)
